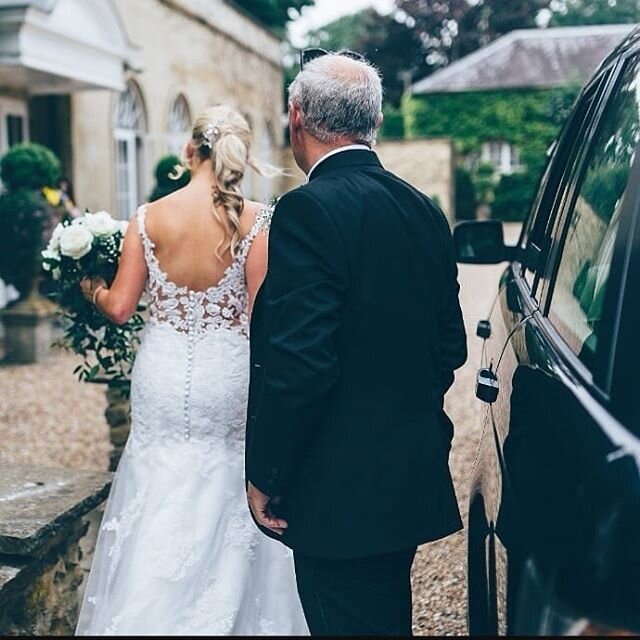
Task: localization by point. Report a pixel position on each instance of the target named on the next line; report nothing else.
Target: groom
(355, 336)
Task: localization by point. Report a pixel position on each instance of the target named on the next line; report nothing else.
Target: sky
(326, 11)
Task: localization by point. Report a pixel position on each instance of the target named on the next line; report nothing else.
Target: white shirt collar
(333, 152)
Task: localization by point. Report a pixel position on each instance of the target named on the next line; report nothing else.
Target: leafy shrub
(24, 219)
(484, 182)
(29, 166)
(465, 195)
(165, 184)
(393, 123)
(513, 196)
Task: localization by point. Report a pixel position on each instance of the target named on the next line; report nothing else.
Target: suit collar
(346, 158)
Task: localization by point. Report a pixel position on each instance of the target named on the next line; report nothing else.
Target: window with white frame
(179, 126)
(14, 123)
(504, 156)
(130, 136)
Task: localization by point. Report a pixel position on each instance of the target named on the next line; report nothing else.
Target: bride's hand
(259, 503)
(89, 286)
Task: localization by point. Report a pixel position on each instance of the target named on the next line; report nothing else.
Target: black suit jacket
(355, 335)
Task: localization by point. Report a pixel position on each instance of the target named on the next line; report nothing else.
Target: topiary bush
(24, 220)
(25, 214)
(29, 166)
(165, 184)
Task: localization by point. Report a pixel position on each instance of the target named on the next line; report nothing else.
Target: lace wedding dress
(178, 552)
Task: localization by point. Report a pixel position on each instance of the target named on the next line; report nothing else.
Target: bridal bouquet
(89, 246)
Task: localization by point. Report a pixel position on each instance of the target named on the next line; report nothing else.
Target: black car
(554, 517)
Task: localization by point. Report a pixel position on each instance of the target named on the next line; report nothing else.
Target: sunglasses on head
(307, 55)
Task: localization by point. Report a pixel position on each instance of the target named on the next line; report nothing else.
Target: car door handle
(483, 329)
(487, 386)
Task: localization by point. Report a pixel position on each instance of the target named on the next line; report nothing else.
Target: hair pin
(211, 134)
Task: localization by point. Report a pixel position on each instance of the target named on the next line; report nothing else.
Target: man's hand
(259, 503)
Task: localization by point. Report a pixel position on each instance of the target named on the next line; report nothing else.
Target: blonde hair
(223, 135)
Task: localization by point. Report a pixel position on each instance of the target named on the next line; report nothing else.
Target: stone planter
(28, 329)
(48, 526)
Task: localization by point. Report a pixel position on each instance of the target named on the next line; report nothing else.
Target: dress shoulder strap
(261, 225)
(147, 243)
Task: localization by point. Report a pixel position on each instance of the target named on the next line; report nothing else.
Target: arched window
(130, 126)
(179, 126)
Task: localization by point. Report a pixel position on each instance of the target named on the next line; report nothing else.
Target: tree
(581, 12)
(389, 44)
(451, 29)
(274, 13)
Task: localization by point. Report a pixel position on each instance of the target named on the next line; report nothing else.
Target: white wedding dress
(178, 552)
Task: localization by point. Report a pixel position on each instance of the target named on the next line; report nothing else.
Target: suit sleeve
(453, 338)
(302, 297)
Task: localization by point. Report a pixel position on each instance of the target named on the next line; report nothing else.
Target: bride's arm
(120, 301)
(256, 266)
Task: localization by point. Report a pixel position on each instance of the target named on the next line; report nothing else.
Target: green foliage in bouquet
(29, 166)
(165, 183)
(90, 247)
(25, 214)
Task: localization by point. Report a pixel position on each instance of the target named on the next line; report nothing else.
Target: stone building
(520, 62)
(112, 85)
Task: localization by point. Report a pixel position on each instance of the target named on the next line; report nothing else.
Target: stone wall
(182, 48)
(48, 526)
(428, 164)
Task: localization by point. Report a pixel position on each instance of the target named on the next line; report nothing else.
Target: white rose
(101, 224)
(49, 254)
(54, 243)
(76, 241)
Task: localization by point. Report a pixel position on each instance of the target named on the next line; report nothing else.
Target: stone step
(36, 503)
(49, 519)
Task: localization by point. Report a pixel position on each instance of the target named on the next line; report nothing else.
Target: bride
(178, 552)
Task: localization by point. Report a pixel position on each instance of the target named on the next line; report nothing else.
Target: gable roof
(529, 58)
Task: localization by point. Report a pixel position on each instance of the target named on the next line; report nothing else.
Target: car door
(556, 427)
(505, 350)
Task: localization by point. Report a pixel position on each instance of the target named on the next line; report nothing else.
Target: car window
(561, 159)
(583, 272)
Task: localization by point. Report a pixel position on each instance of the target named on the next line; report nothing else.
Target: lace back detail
(193, 312)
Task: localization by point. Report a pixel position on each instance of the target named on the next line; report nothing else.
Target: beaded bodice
(221, 306)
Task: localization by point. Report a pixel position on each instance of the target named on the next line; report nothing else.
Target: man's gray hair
(339, 97)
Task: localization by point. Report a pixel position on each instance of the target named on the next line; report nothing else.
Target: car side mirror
(481, 242)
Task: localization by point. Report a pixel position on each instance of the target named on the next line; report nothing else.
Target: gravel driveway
(439, 572)
(48, 418)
